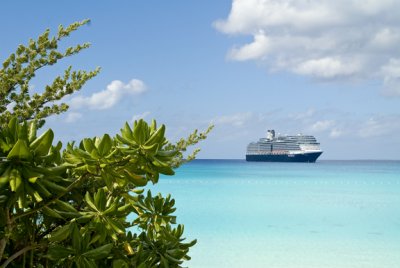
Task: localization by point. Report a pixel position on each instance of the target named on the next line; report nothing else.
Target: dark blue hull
(306, 157)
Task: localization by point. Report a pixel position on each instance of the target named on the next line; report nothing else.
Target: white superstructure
(284, 144)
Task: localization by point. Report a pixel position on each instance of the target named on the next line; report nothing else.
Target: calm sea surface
(343, 214)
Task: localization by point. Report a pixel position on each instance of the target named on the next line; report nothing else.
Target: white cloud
(379, 126)
(391, 72)
(249, 14)
(322, 125)
(107, 98)
(385, 38)
(73, 117)
(326, 67)
(139, 116)
(371, 128)
(342, 134)
(236, 120)
(335, 133)
(325, 39)
(303, 115)
(330, 127)
(251, 51)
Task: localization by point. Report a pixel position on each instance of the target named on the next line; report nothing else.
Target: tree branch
(3, 243)
(17, 254)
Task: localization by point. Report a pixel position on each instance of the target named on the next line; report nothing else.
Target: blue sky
(326, 68)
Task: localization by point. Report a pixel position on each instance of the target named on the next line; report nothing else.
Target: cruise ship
(284, 148)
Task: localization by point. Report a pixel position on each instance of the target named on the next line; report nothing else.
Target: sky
(325, 68)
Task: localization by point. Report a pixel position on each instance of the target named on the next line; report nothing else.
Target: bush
(69, 207)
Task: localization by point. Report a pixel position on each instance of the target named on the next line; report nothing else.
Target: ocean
(342, 214)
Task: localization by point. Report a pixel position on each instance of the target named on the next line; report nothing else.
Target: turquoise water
(342, 214)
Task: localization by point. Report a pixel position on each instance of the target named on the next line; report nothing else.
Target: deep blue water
(326, 214)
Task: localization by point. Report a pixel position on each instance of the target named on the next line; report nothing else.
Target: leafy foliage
(71, 207)
(82, 206)
(20, 68)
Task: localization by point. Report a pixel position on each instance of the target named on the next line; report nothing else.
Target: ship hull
(305, 157)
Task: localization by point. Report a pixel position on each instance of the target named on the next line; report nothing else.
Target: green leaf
(20, 151)
(65, 206)
(169, 257)
(13, 127)
(165, 170)
(119, 264)
(123, 140)
(127, 132)
(60, 234)
(100, 199)
(15, 180)
(139, 181)
(52, 186)
(52, 213)
(5, 146)
(89, 201)
(116, 226)
(32, 130)
(88, 145)
(76, 238)
(85, 218)
(23, 131)
(139, 132)
(164, 261)
(57, 252)
(142, 265)
(54, 171)
(42, 144)
(41, 189)
(69, 215)
(170, 153)
(98, 253)
(157, 136)
(151, 149)
(5, 177)
(111, 208)
(108, 179)
(83, 262)
(105, 145)
(153, 126)
(30, 174)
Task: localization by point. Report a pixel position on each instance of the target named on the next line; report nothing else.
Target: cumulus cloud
(391, 73)
(107, 98)
(330, 127)
(303, 115)
(252, 51)
(324, 39)
(379, 126)
(335, 133)
(322, 125)
(236, 120)
(73, 117)
(332, 124)
(366, 127)
(327, 67)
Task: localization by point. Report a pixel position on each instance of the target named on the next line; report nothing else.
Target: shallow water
(327, 214)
